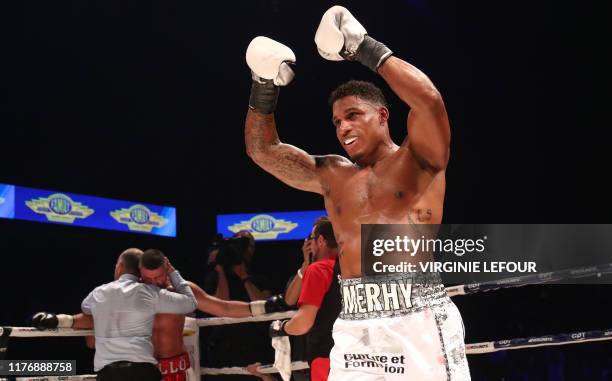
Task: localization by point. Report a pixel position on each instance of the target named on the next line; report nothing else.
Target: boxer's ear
(383, 115)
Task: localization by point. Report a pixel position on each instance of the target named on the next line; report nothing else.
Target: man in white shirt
(123, 312)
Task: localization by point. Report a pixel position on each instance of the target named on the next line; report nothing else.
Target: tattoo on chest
(419, 215)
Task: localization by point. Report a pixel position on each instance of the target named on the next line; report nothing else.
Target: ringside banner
(7, 201)
(273, 226)
(74, 209)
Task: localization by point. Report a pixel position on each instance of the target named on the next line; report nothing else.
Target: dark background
(145, 101)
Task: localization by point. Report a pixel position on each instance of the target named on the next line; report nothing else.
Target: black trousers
(129, 371)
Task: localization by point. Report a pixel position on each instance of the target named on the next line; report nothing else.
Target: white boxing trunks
(398, 327)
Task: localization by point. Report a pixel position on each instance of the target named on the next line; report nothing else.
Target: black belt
(121, 364)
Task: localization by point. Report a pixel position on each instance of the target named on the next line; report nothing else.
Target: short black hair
(362, 89)
(323, 227)
(152, 259)
(131, 259)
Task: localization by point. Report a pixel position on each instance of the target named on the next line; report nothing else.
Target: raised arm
(222, 290)
(428, 126)
(183, 301)
(340, 36)
(287, 163)
(269, 63)
(292, 294)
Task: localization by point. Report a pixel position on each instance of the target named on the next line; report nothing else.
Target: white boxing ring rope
(82, 377)
(203, 322)
(208, 322)
(525, 280)
(474, 348)
(266, 369)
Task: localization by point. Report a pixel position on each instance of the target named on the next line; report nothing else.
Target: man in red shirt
(319, 302)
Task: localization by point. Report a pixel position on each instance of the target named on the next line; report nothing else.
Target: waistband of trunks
(176, 364)
(390, 295)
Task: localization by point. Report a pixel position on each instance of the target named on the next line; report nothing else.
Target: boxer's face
(360, 125)
(156, 277)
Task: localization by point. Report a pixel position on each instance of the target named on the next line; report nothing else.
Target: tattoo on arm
(288, 163)
(260, 132)
(293, 166)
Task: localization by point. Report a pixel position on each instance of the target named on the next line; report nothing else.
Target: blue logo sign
(139, 218)
(270, 226)
(59, 208)
(7, 201)
(94, 212)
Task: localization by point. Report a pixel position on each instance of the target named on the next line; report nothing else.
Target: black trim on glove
(264, 96)
(276, 303)
(370, 52)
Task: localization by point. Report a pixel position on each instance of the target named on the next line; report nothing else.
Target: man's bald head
(129, 260)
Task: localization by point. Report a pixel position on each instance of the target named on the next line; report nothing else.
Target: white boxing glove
(341, 37)
(268, 59)
(269, 63)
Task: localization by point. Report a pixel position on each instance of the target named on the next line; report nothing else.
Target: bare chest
(366, 196)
